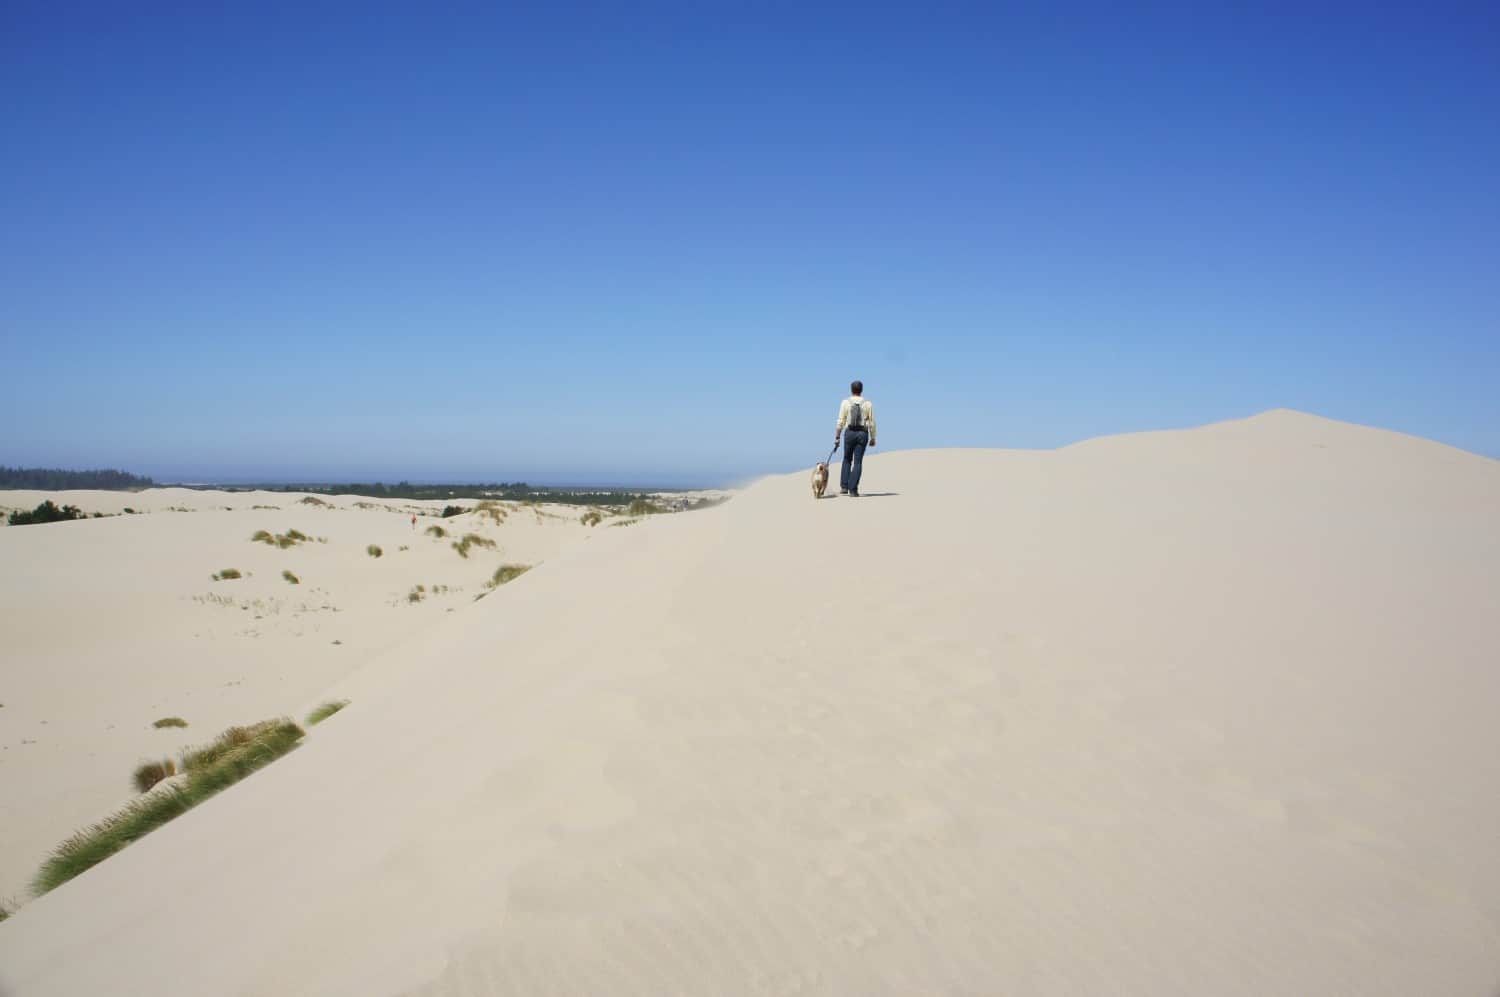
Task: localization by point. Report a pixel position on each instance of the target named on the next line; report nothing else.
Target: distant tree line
(407, 490)
(52, 479)
(517, 491)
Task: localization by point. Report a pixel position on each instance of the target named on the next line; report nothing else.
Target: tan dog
(820, 480)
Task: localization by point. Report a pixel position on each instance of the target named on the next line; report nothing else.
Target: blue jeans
(855, 441)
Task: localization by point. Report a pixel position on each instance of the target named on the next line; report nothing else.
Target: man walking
(857, 428)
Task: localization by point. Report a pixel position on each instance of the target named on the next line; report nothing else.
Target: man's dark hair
(857, 387)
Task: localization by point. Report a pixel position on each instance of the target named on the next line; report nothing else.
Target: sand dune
(1201, 712)
(110, 624)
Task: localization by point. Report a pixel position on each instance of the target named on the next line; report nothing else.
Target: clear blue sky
(646, 242)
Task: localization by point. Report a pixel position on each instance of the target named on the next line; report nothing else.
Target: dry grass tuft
(472, 540)
(312, 500)
(170, 722)
(227, 574)
(150, 773)
(374, 550)
(590, 518)
(436, 531)
(507, 573)
(291, 578)
(492, 509)
(283, 540)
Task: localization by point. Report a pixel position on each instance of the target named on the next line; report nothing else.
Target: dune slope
(1177, 713)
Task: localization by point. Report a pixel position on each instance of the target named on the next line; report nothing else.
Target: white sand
(1204, 712)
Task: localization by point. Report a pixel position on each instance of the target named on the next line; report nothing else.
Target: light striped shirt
(867, 410)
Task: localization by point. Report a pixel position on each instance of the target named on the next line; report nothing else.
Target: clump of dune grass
(642, 507)
(311, 500)
(227, 574)
(170, 722)
(374, 550)
(98, 842)
(291, 577)
(591, 518)
(237, 741)
(283, 540)
(149, 774)
(4, 912)
(506, 573)
(325, 711)
(238, 752)
(492, 509)
(472, 540)
(436, 531)
(625, 522)
(417, 594)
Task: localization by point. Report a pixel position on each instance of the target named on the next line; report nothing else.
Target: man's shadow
(869, 495)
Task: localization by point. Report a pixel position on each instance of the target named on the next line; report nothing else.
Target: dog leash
(829, 458)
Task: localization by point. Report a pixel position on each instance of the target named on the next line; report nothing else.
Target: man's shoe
(854, 494)
(843, 491)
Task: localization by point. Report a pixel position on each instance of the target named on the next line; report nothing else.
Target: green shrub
(374, 550)
(641, 507)
(47, 512)
(325, 711)
(150, 773)
(291, 578)
(227, 574)
(170, 722)
(506, 573)
(450, 511)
